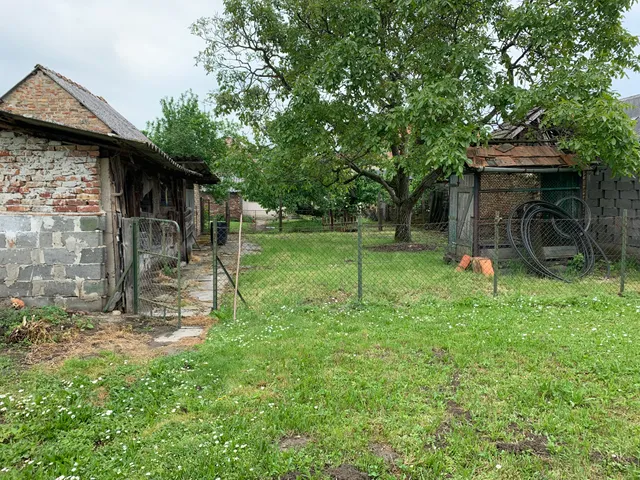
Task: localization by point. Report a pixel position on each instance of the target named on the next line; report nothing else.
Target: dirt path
(198, 275)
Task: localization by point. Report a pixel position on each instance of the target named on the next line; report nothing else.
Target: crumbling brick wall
(52, 246)
(218, 208)
(42, 98)
(47, 176)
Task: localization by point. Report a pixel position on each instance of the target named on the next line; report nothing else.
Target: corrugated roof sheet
(98, 106)
(518, 156)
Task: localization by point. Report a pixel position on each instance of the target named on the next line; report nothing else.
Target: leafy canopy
(344, 82)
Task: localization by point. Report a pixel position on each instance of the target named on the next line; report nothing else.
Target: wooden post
(380, 212)
(496, 252)
(235, 295)
(623, 252)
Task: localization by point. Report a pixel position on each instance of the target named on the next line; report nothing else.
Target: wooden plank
(562, 251)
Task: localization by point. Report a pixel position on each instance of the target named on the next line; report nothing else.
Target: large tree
(395, 91)
(185, 129)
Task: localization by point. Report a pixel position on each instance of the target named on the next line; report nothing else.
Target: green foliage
(339, 85)
(50, 322)
(186, 130)
(575, 264)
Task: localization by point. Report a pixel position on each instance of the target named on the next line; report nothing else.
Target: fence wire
(157, 247)
(310, 262)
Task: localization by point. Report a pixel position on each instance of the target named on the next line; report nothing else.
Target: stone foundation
(53, 260)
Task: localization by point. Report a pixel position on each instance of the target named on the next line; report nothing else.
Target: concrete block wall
(52, 245)
(607, 197)
(53, 260)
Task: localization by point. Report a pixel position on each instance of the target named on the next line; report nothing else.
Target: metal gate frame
(135, 262)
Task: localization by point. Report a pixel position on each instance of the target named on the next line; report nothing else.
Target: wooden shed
(497, 179)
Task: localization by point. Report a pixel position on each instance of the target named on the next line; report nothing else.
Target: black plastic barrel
(223, 231)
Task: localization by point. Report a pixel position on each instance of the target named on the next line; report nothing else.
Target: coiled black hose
(527, 214)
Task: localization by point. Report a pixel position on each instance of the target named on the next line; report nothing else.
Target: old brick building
(71, 170)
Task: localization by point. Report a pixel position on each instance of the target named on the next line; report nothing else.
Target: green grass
(450, 382)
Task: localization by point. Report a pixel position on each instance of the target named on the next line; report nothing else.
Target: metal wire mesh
(158, 250)
(310, 262)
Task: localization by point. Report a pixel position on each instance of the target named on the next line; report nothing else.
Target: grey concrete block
(61, 223)
(87, 271)
(93, 255)
(595, 176)
(25, 273)
(38, 302)
(43, 272)
(595, 211)
(89, 224)
(98, 287)
(3, 240)
(27, 239)
(610, 212)
(80, 304)
(86, 239)
(626, 184)
(3, 273)
(607, 202)
(611, 194)
(629, 194)
(59, 256)
(608, 185)
(65, 288)
(636, 204)
(622, 204)
(607, 174)
(17, 289)
(15, 223)
(19, 256)
(593, 202)
(46, 240)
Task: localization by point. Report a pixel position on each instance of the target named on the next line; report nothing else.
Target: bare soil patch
(402, 247)
(293, 442)
(531, 443)
(132, 338)
(385, 452)
(598, 457)
(346, 472)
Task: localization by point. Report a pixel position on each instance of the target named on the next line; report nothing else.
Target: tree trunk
(403, 222)
(404, 208)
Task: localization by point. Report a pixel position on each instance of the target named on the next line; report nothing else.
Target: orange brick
(465, 261)
(483, 265)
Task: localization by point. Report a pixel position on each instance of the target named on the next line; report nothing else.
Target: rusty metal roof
(519, 156)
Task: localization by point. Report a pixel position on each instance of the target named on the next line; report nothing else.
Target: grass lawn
(418, 382)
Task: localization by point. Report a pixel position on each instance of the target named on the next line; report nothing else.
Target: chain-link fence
(527, 254)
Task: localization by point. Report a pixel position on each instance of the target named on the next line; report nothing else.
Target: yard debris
(465, 261)
(17, 304)
(481, 265)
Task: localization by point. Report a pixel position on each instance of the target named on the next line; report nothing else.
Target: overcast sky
(131, 52)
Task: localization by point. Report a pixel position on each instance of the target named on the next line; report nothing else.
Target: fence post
(135, 231)
(214, 249)
(496, 253)
(359, 257)
(623, 252)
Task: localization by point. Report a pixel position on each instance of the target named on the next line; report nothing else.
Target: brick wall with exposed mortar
(218, 208)
(42, 98)
(52, 248)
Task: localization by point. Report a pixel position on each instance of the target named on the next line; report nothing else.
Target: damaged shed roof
(520, 156)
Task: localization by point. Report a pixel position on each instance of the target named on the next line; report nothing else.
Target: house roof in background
(633, 109)
(520, 156)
